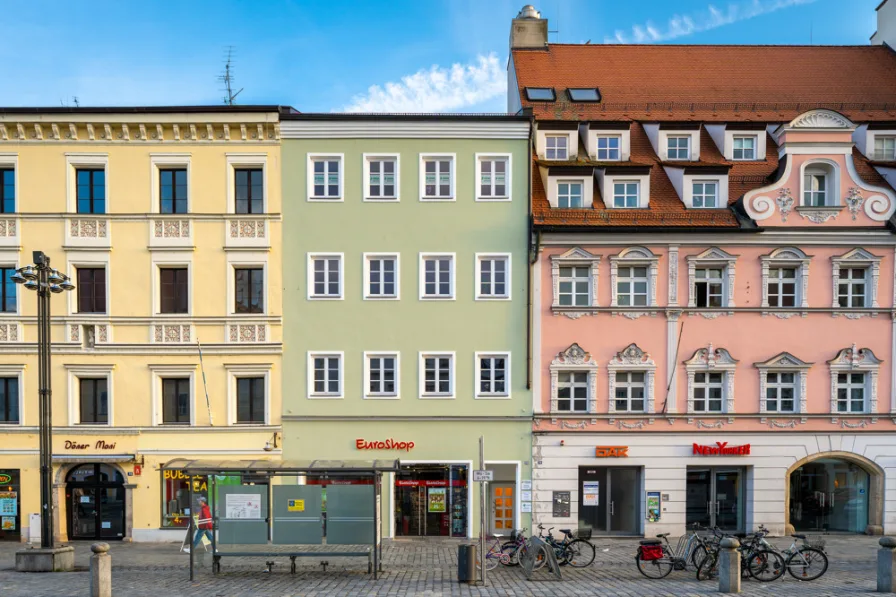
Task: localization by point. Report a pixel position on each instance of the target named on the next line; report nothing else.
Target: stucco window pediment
(856, 360)
(574, 358)
(787, 257)
(712, 360)
(633, 358)
(635, 256)
(784, 362)
(575, 257)
(712, 257)
(856, 258)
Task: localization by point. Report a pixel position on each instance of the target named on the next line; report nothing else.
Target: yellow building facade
(168, 222)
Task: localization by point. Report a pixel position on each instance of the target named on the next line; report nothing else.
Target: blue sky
(319, 56)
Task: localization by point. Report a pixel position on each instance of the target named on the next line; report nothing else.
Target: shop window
(10, 505)
(176, 507)
(431, 500)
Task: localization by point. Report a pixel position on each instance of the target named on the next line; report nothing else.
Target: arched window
(819, 185)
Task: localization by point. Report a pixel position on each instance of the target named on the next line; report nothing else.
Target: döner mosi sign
(722, 449)
(100, 445)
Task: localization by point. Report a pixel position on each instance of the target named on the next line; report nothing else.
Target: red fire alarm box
(138, 469)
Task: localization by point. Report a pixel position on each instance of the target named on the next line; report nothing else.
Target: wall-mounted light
(272, 445)
(562, 442)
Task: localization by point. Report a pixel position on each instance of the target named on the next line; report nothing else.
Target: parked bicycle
(759, 559)
(656, 559)
(806, 561)
(577, 552)
(513, 547)
(494, 555)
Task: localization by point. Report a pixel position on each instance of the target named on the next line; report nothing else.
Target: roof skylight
(589, 94)
(540, 94)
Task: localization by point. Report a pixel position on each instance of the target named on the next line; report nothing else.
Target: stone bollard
(886, 565)
(729, 566)
(100, 571)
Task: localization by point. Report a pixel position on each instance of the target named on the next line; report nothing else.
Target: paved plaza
(413, 567)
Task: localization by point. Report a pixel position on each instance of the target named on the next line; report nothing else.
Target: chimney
(886, 24)
(528, 29)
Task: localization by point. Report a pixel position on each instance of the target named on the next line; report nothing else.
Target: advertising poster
(8, 503)
(295, 505)
(591, 493)
(243, 505)
(653, 506)
(438, 501)
(8, 523)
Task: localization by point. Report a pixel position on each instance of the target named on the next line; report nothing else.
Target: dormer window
(608, 148)
(557, 147)
(885, 147)
(584, 95)
(706, 194)
(815, 188)
(678, 148)
(626, 193)
(540, 94)
(744, 147)
(569, 194)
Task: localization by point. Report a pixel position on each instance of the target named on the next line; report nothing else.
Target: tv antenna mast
(228, 79)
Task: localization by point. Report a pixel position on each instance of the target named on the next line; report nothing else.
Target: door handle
(612, 508)
(717, 508)
(709, 507)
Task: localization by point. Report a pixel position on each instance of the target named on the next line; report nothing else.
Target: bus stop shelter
(278, 509)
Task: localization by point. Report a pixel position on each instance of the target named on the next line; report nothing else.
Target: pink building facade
(713, 299)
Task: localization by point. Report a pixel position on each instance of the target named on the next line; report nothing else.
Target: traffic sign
(483, 476)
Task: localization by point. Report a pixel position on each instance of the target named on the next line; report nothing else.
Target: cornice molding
(84, 130)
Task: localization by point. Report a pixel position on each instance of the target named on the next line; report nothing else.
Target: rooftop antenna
(229, 79)
(75, 99)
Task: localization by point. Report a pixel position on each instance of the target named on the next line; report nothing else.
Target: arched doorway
(835, 492)
(95, 499)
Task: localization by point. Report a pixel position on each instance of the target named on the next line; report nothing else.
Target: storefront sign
(138, 470)
(437, 499)
(611, 451)
(100, 445)
(8, 503)
(5, 479)
(389, 444)
(722, 449)
(591, 493)
(8, 523)
(653, 506)
(417, 483)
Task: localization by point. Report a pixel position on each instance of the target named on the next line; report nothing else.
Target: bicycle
(656, 560)
(802, 558)
(759, 559)
(512, 548)
(493, 556)
(577, 552)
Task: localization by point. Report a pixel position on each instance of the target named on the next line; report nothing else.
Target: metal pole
(192, 530)
(482, 553)
(46, 407)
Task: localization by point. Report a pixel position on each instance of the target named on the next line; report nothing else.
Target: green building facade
(405, 309)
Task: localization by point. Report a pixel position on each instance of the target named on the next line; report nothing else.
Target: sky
(384, 56)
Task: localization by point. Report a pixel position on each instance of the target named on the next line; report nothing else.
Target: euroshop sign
(389, 444)
(722, 449)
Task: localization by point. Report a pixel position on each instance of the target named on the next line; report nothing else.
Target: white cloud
(711, 18)
(438, 89)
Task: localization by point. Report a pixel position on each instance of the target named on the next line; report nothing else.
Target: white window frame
(73, 161)
(785, 257)
(574, 359)
(883, 137)
(508, 176)
(310, 279)
(425, 157)
(477, 393)
(712, 360)
(422, 277)
(10, 260)
(597, 148)
(632, 359)
(87, 260)
(168, 161)
(715, 258)
(371, 157)
(740, 136)
(857, 258)
(575, 257)
(17, 371)
(856, 360)
(387, 354)
(367, 258)
(831, 172)
(7, 161)
(244, 261)
(325, 354)
(778, 387)
(478, 259)
(570, 182)
(238, 161)
(635, 257)
(325, 157)
(668, 138)
(237, 371)
(421, 374)
(88, 371)
(785, 363)
(564, 136)
(626, 194)
(717, 196)
(173, 371)
(169, 260)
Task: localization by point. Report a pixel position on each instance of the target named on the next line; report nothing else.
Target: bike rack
(527, 560)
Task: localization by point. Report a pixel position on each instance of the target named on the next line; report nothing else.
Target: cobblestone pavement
(414, 567)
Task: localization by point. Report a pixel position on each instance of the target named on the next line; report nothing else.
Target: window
(850, 392)
(884, 148)
(176, 401)
(438, 277)
(8, 298)
(572, 391)
(91, 191)
(326, 276)
(9, 400)
(852, 286)
(174, 285)
(574, 277)
(382, 178)
(7, 190)
(493, 177)
(708, 287)
(569, 195)
(556, 147)
(706, 194)
(780, 389)
(438, 373)
(382, 375)
(540, 94)
(91, 290)
(782, 287)
(173, 191)
(678, 148)
(631, 286)
(249, 190)
(626, 194)
(493, 373)
(327, 178)
(382, 276)
(493, 276)
(814, 189)
(584, 95)
(326, 375)
(249, 290)
(630, 391)
(608, 148)
(438, 178)
(707, 392)
(94, 396)
(575, 286)
(744, 148)
(250, 400)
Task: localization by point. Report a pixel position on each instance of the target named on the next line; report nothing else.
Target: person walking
(204, 523)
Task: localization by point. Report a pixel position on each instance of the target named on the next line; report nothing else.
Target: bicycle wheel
(511, 549)
(654, 568)
(807, 564)
(580, 553)
(698, 555)
(540, 556)
(709, 567)
(491, 561)
(766, 566)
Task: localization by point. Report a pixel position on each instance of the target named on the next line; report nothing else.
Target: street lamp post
(45, 280)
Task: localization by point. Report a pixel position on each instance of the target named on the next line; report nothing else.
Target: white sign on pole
(243, 505)
(479, 476)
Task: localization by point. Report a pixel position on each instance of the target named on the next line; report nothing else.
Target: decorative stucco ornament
(785, 203)
(854, 201)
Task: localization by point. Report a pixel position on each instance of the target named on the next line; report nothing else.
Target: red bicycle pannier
(651, 552)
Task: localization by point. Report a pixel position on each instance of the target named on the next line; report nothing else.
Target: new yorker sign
(722, 449)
